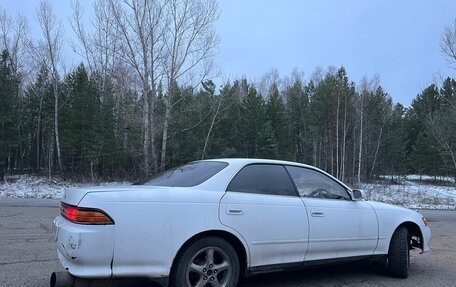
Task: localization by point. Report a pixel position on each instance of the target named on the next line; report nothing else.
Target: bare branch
(13, 34)
(448, 43)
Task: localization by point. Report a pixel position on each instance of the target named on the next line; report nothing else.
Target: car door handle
(317, 214)
(234, 211)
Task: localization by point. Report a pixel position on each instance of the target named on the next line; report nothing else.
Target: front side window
(311, 183)
(187, 175)
(263, 179)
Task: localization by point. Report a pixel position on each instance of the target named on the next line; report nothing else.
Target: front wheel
(209, 261)
(399, 254)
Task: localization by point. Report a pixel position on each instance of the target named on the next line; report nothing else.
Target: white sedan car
(209, 222)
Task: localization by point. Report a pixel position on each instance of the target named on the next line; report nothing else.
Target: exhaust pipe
(61, 279)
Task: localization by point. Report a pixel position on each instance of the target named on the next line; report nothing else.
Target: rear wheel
(399, 254)
(209, 261)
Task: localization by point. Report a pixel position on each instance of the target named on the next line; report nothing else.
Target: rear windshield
(187, 175)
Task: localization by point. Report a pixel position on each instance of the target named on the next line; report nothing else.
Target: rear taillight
(84, 215)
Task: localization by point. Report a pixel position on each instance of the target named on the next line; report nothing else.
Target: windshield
(187, 175)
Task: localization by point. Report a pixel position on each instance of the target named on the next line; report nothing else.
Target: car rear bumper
(86, 251)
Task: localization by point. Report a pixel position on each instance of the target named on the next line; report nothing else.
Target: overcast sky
(398, 40)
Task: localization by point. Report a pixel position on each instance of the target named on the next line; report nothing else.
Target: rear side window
(263, 179)
(191, 174)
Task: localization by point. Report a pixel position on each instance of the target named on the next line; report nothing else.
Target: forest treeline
(114, 117)
(351, 132)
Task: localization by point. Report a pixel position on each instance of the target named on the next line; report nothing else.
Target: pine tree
(430, 125)
(425, 158)
(298, 113)
(394, 142)
(277, 118)
(226, 135)
(9, 114)
(252, 121)
(269, 147)
(378, 110)
(82, 123)
(186, 134)
(448, 93)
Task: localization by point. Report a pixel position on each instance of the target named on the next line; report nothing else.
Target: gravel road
(28, 256)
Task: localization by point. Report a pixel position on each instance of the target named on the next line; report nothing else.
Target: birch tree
(48, 53)
(379, 110)
(140, 26)
(189, 45)
(366, 90)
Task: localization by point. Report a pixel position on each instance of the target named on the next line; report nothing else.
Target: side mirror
(358, 194)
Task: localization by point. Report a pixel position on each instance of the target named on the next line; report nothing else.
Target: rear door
(262, 204)
(338, 226)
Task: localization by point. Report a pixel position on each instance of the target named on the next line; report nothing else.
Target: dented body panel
(86, 251)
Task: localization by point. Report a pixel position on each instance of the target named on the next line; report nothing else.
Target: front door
(338, 226)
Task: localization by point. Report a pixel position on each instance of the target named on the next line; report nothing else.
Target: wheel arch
(232, 239)
(413, 231)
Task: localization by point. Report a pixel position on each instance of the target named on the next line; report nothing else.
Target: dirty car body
(209, 222)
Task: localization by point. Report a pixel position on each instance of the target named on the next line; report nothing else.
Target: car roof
(244, 161)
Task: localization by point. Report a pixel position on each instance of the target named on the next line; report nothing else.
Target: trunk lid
(73, 196)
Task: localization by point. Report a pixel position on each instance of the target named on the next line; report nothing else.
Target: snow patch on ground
(429, 177)
(412, 194)
(417, 177)
(30, 186)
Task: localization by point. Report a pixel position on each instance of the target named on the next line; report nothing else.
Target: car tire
(399, 254)
(208, 261)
